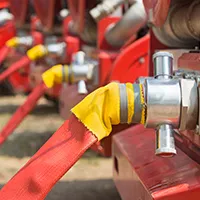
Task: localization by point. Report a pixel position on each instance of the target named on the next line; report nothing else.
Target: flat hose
(23, 62)
(4, 51)
(51, 77)
(22, 112)
(11, 43)
(33, 54)
(36, 179)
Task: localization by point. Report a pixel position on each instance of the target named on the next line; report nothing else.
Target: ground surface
(89, 179)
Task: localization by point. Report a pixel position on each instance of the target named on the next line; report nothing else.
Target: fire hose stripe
(137, 104)
(123, 104)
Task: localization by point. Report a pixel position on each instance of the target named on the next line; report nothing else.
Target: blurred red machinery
(122, 57)
(19, 81)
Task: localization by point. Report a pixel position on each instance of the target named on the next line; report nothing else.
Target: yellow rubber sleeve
(37, 52)
(13, 42)
(55, 75)
(101, 109)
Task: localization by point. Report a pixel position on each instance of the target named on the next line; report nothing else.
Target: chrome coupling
(163, 100)
(171, 103)
(83, 70)
(56, 49)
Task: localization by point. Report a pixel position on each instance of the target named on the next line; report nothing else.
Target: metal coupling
(27, 41)
(56, 49)
(163, 65)
(82, 71)
(104, 9)
(132, 104)
(165, 145)
(5, 16)
(163, 99)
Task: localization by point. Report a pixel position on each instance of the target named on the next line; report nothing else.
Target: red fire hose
(3, 53)
(23, 62)
(22, 112)
(35, 53)
(36, 179)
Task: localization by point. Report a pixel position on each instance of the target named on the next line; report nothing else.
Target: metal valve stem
(79, 59)
(165, 143)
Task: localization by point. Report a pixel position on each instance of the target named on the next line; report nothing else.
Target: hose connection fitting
(57, 49)
(37, 52)
(26, 41)
(163, 96)
(104, 9)
(84, 71)
(171, 103)
(5, 16)
(162, 102)
(80, 71)
(111, 105)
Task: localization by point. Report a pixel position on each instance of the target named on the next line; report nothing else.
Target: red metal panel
(38, 37)
(102, 28)
(139, 174)
(132, 62)
(7, 32)
(73, 46)
(106, 60)
(4, 4)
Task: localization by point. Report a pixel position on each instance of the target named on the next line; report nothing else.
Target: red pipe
(3, 53)
(22, 112)
(36, 179)
(23, 62)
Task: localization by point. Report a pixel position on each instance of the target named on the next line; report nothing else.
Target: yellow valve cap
(37, 52)
(55, 75)
(13, 42)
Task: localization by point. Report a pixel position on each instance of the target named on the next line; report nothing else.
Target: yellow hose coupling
(56, 75)
(13, 42)
(37, 52)
(111, 105)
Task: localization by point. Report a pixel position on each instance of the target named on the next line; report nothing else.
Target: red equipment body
(140, 174)
(7, 32)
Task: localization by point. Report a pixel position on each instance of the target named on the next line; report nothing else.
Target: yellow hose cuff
(100, 110)
(111, 105)
(37, 52)
(13, 42)
(56, 75)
